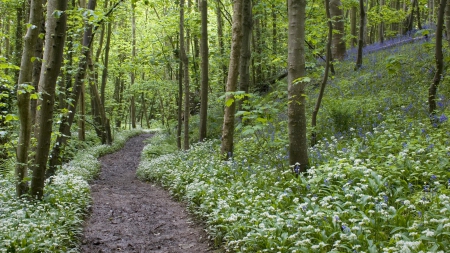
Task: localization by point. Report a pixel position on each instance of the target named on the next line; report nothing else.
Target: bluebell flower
(419, 213)
(443, 118)
(433, 177)
(386, 198)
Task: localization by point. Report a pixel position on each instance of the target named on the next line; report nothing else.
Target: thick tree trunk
(82, 120)
(324, 81)
(432, 90)
(233, 73)
(362, 16)
(204, 71)
(298, 147)
(23, 96)
(54, 45)
(338, 48)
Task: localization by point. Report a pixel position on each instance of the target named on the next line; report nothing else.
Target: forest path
(133, 216)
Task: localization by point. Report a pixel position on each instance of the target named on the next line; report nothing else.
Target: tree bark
(133, 57)
(204, 71)
(185, 61)
(447, 21)
(246, 54)
(353, 15)
(432, 90)
(23, 96)
(233, 72)
(298, 147)
(54, 46)
(337, 15)
(362, 16)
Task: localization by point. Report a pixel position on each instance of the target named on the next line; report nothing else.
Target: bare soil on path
(132, 216)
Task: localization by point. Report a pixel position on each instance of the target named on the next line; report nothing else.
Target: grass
(379, 180)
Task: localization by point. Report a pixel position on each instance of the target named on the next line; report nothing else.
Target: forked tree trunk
(23, 96)
(66, 122)
(54, 46)
(233, 73)
(432, 90)
(204, 71)
(298, 147)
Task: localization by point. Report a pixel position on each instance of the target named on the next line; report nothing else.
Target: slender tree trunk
(337, 15)
(221, 43)
(233, 72)
(19, 37)
(361, 35)
(381, 27)
(38, 54)
(447, 21)
(133, 56)
(23, 96)
(204, 71)
(54, 45)
(246, 54)
(179, 103)
(274, 36)
(353, 15)
(185, 61)
(432, 90)
(298, 147)
(324, 81)
(82, 120)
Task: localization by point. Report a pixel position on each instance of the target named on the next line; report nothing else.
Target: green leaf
(303, 79)
(229, 102)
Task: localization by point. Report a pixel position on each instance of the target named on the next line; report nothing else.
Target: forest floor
(128, 215)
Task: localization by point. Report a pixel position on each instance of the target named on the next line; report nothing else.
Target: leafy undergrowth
(379, 180)
(53, 224)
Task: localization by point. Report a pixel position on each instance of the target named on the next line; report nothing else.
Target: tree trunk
(233, 72)
(432, 90)
(221, 43)
(38, 54)
(185, 61)
(19, 37)
(381, 27)
(204, 71)
(54, 46)
(361, 35)
(324, 81)
(246, 54)
(133, 57)
(82, 122)
(447, 21)
(23, 96)
(66, 122)
(337, 15)
(179, 103)
(298, 147)
(353, 15)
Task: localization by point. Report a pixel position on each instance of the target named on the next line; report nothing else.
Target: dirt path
(132, 216)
